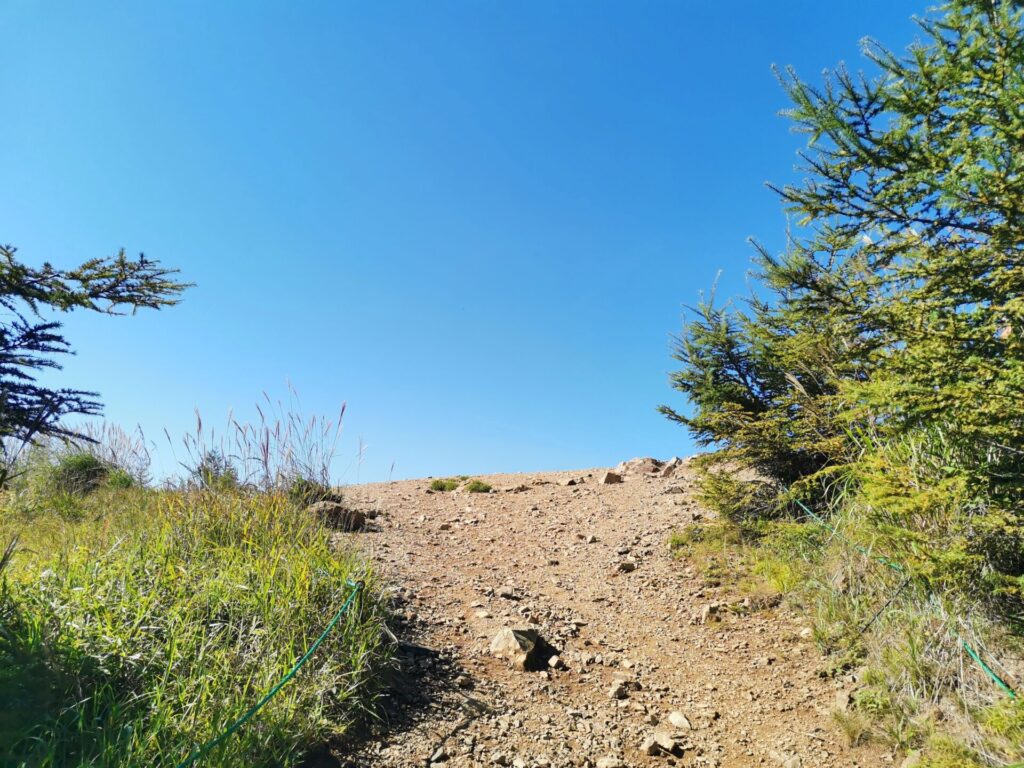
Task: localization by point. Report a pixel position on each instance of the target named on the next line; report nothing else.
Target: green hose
(357, 587)
(898, 567)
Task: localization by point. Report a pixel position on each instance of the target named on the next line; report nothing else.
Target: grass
(916, 688)
(140, 626)
(756, 558)
(445, 484)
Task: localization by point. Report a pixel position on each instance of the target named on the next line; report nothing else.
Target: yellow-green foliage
(917, 687)
(759, 557)
(1002, 737)
(142, 628)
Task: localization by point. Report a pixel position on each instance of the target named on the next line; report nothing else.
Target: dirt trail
(746, 682)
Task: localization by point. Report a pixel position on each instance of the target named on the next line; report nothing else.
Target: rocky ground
(644, 664)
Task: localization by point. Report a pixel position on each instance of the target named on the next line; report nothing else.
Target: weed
(304, 492)
(214, 472)
(855, 726)
(119, 478)
(477, 486)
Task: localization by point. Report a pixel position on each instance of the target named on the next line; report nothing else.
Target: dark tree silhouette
(29, 343)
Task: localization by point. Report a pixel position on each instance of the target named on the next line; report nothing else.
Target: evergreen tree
(895, 316)
(29, 343)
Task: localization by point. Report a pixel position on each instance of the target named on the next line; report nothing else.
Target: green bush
(477, 486)
(77, 474)
(303, 492)
(215, 472)
(118, 478)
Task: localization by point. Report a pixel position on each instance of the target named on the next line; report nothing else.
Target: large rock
(661, 742)
(619, 690)
(666, 742)
(518, 646)
(670, 467)
(337, 515)
(644, 465)
(611, 478)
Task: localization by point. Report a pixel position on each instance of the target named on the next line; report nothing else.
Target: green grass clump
(477, 486)
(445, 484)
(716, 549)
(141, 631)
(119, 478)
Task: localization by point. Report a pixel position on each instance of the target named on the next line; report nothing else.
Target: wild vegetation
(137, 624)
(30, 344)
(871, 393)
(447, 484)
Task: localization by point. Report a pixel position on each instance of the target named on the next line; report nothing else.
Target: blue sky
(477, 223)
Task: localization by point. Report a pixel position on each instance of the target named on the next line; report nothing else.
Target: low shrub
(445, 484)
(77, 474)
(215, 472)
(119, 478)
(477, 486)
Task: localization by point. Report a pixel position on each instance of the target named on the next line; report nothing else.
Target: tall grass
(137, 624)
(141, 631)
(271, 453)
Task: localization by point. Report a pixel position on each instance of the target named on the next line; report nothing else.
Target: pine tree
(889, 352)
(29, 343)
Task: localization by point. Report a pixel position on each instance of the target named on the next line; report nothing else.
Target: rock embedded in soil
(666, 742)
(619, 690)
(679, 721)
(610, 478)
(640, 466)
(517, 646)
(670, 467)
(661, 742)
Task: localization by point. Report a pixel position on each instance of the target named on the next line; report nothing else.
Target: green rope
(357, 587)
(898, 567)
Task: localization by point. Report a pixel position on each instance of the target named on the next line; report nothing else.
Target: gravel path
(643, 681)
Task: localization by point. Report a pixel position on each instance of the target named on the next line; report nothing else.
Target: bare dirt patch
(639, 655)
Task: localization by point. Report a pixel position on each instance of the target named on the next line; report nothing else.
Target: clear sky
(475, 222)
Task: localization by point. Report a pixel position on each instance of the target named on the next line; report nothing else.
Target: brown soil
(747, 681)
